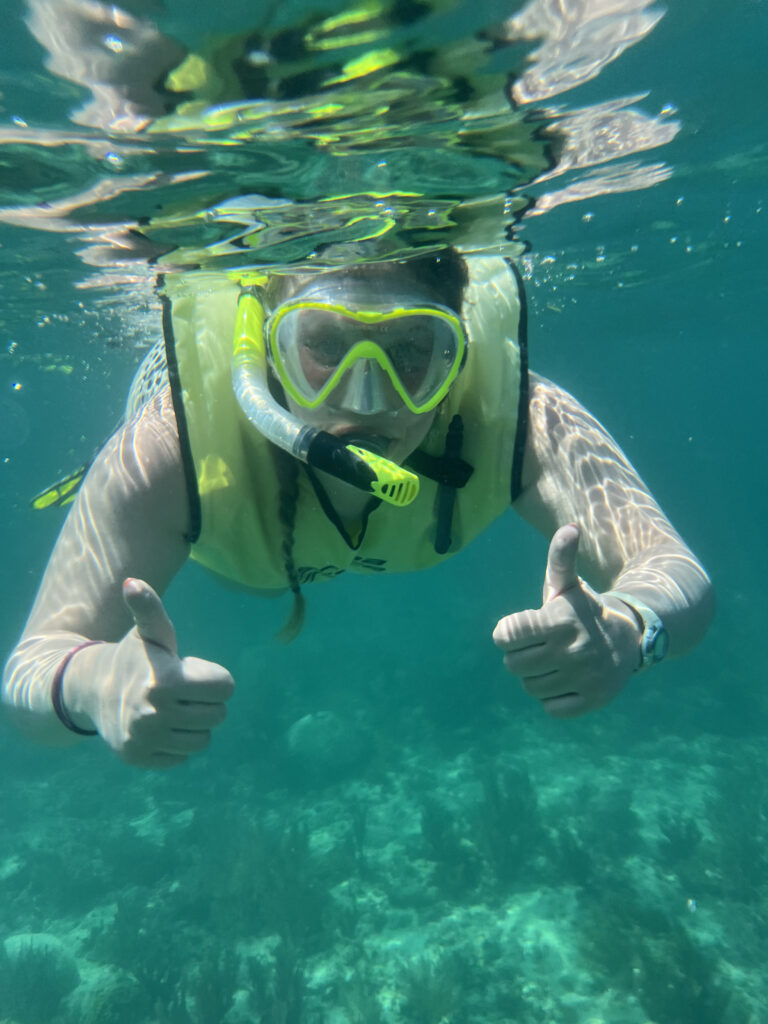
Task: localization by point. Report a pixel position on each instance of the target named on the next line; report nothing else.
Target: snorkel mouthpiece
(348, 462)
(398, 487)
(364, 469)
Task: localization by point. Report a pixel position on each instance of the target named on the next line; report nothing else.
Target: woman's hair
(439, 277)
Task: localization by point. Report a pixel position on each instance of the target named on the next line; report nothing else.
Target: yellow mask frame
(366, 349)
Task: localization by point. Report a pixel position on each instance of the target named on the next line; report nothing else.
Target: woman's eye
(326, 350)
(409, 357)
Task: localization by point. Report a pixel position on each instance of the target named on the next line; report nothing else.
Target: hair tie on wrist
(57, 698)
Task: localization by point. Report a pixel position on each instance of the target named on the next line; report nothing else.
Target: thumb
(561, 562)
(152, 622)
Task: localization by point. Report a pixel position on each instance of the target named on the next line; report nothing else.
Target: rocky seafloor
(403, 860)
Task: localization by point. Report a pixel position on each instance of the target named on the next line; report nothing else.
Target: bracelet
(57, 698)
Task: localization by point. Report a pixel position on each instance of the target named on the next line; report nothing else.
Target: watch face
(656, 644)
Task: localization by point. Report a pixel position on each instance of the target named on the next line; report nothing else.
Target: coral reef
(470, 879)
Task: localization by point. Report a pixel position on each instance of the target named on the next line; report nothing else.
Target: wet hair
(440, 277)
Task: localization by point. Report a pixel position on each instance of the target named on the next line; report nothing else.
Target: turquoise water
(467, 859)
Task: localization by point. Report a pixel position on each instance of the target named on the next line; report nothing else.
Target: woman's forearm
(27, 681)
(671, 581)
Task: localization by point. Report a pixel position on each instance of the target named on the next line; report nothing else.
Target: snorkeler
(370, 419)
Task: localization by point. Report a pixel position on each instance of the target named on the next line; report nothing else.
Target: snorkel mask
(364, 360)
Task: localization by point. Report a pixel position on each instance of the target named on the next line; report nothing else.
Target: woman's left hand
(578, 650)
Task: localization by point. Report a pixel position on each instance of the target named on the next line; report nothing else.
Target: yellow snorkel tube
(348, 462)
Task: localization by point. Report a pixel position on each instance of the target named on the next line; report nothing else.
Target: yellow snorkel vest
(231, 473)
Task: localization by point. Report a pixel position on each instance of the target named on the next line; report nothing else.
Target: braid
(287, 470)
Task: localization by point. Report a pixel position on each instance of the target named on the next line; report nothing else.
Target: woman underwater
(374, 418)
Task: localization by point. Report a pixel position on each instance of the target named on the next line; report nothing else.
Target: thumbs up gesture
(153, 708)
(578, 650)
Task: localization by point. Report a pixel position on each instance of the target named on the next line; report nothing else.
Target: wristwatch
(654, 639)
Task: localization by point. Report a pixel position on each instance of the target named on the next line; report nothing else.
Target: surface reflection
(323, 139)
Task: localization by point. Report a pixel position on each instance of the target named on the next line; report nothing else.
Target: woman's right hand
(153, 708)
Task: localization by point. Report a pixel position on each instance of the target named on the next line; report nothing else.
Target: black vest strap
(190, 474)
(451, 472)
(446, 469)
(521, 433)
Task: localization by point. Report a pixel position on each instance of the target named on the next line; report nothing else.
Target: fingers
(163, 739)
(569, 653)
(165, 752)
(534, 643)
(188, 715)
(149, 615)
(568, 705)
(165, 707)
(534, 653)
(561, 572)
(548, 648)
(192, 680)
(533, 628)
(176, 702)
(193, 699)
(542, 676)
(540, 671)
(178, 742)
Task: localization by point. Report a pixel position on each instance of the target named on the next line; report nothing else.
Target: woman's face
(393, 431)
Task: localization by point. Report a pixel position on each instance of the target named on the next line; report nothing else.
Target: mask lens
(322, 342)
(422, 350)
(314, 345)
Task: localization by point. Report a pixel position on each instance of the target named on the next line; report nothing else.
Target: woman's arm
(574, 472)
(128, 523)
(581, 646)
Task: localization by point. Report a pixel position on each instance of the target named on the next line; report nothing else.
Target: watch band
(654, 640)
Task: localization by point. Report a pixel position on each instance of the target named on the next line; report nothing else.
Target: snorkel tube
(348, 462)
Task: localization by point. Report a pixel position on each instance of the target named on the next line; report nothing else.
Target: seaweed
(35, 980)
(432, 991)
(358, 819)
(293, 901)
(268, 883)
(642, 950)
(509, 831)
(574, 860)
(678, 981)
(682, 843)
(213, 984)
(457, 867)
(162, 984)
(737, 811)
(357, 995)
(277, 990)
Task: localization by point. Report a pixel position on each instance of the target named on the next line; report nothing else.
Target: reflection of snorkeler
(342, 86)
(381, 417)
(266, 110)
(136, 74)
(122, 60)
